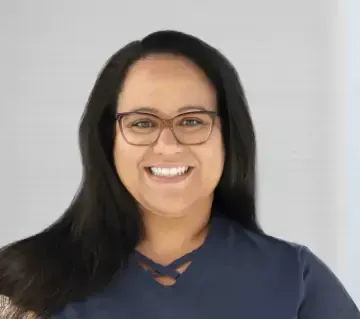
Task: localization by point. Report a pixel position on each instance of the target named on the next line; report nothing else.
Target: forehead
(166, 82)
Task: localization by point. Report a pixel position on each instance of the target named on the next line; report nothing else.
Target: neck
(171, 237)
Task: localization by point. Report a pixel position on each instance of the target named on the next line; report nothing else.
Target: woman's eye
(190, 122)
(144, 124)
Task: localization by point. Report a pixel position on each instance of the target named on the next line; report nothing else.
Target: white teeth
(174, 171)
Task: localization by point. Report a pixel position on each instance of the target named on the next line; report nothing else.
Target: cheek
(127, 158)
(211, 157)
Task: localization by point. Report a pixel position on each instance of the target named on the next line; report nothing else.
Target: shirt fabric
(236, 273)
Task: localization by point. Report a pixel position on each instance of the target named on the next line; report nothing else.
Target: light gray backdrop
(291, 57)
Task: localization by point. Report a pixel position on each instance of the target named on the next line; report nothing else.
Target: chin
(171, 214)
(167, 208)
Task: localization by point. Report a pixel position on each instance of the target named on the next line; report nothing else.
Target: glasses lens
(193, 128)
(140, 129)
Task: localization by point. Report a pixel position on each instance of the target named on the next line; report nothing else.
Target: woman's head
(170, 169)
(172, 101)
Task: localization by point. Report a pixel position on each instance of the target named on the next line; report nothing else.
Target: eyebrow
(181, 109)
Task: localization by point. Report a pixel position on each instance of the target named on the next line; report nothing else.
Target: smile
(169, 171)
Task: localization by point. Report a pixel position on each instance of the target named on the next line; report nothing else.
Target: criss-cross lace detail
(171, 270)
(178, 272)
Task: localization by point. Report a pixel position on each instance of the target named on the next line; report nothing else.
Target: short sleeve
(324, 297)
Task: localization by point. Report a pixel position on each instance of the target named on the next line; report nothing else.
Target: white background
(292, 56)
(353, 102)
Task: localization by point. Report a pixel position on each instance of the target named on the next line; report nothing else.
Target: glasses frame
(166, 123)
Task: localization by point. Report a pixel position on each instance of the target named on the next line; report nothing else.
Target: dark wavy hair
(89, 246)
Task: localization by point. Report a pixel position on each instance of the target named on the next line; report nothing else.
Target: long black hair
(82, 252)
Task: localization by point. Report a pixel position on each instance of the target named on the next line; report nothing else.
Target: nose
(167, 143)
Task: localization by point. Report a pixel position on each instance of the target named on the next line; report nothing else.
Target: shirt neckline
(204, 261)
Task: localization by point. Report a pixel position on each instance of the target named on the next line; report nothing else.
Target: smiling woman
(164, 224)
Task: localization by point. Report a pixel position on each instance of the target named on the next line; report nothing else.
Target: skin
(175, 214)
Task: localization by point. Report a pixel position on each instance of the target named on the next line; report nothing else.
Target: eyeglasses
(141, 128)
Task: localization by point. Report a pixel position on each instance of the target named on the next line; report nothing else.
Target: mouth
(169, 174)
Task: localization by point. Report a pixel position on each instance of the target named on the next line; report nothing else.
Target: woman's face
(166, 84)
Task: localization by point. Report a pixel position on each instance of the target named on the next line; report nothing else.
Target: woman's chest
(226, 295)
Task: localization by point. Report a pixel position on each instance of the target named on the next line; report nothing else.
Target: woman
(164, 223)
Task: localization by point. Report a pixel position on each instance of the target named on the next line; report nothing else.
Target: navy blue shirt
(235, 274)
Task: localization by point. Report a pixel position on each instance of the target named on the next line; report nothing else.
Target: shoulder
(9, 310)
(260, 257)
(268, 251)
(263, 246)
(293, 267)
